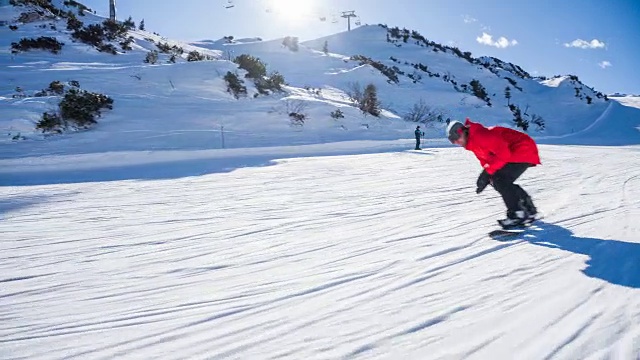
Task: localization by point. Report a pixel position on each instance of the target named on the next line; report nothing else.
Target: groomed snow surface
(381, 255)
(191, 225)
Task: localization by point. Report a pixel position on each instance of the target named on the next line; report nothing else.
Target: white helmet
(454, 130)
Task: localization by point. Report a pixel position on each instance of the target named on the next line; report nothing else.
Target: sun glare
(292, 10)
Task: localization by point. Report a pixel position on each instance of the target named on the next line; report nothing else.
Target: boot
(527, 206)
(514, 219)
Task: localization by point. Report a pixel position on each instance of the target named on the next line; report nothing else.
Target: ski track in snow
(362, 256)
(141, 240)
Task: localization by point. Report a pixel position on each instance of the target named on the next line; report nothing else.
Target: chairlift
(357, 21)
(323, 18)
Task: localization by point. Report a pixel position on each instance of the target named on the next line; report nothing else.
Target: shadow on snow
(17, 203)
(173, 169)
(616, 262)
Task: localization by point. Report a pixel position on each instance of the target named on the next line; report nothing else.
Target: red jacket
(497, 146)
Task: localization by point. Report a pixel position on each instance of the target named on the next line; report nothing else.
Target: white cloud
(604, 64)
(468, 19)
(583, 44)
(502, 42)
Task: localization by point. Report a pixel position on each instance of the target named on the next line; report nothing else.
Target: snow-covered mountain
(409, 71)
(629, 100)
(190, 222)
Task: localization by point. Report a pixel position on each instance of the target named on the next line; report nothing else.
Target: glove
(483, 180)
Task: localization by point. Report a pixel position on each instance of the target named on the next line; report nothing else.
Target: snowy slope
(628, 100)
(186, 105)
(619, 124)
(143, 238)
(381, 255)
(558, 105)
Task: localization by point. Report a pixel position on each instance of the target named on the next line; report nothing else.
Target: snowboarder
(504, 155)
(418, 134)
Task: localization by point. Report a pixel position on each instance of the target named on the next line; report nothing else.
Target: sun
(292, 11)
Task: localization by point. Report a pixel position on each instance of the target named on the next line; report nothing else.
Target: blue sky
(597, 41)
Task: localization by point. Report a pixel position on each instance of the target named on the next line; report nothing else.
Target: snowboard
(512, 232)
(502, 234)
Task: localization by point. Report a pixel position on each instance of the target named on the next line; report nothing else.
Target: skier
(418, 134)
(504, 155)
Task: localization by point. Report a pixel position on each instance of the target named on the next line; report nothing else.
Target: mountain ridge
(408, 71)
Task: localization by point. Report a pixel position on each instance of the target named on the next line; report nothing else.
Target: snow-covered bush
(173, 50)
(390, 72)
(271, 83)
(337, 114)
(518, 120)
(421, 112)
(81, 8)
(55, 88)
(479, 91)
(291, 42)
(257, 71)
(366, 99)
(91, 35)
(196, 56)
(370, 103)
(41, 43)
(99, 35)
(77, 109)
(114, 30)
(275, 81)
(253, 66)
(151, 57)
(235, 85)
(169, 49)
(297, 118)
(73, 23)
(513, 83)
(129, 23)
(295, 109)
(538, 121)
(44, 4)
(126, 43)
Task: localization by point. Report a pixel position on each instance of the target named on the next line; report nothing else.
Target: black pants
(417, 143)
(503, 181)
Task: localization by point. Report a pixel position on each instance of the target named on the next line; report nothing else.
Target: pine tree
(141, 27)
(478, 90)
(507, 94)
(129, 23)
(325, 47)
(370, 103)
